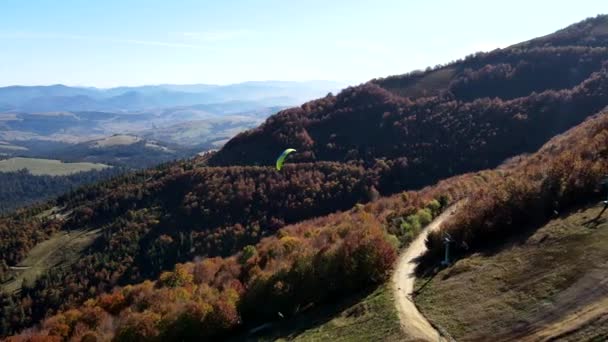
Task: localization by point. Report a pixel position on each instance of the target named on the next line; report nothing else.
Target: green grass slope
(549, 283)
(49, 167)
(370, 317)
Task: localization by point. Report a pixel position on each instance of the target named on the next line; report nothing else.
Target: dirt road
(572, 309)
(413, 323)
(570, 323)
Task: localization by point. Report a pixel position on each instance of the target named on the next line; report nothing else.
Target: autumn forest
(210, 247)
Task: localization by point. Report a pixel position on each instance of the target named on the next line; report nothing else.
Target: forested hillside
(303, 264)
(467, 115)
(153, 219)
(22, 188)
(531, 246)
(569, 170)
(249, 241)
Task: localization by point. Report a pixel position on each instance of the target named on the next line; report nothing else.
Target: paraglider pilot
(605, 202)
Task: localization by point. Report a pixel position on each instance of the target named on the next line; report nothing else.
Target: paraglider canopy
(282, 157)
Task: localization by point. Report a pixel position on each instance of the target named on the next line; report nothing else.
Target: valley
(57, 119)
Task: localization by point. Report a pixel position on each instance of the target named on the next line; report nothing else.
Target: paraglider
(282, 157)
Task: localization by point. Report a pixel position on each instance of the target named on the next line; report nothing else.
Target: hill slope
(550, 284)
(537, 276)
(312, 261)
(246, 222)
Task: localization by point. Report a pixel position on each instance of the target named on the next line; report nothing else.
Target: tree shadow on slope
(340, 318)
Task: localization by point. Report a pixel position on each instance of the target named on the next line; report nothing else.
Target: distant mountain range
(135, 139)
(46, 121)
(64, 98)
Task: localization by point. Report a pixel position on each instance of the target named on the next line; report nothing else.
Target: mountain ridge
(508, 94)
(61, 97)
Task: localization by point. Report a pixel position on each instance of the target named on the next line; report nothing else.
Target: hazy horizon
(115, 43)
(170, 84)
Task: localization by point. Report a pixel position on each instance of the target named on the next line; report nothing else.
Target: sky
(131, 42)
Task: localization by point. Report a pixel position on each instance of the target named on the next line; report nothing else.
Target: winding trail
(413, 323)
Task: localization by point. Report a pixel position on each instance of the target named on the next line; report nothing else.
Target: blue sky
(110, 42)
